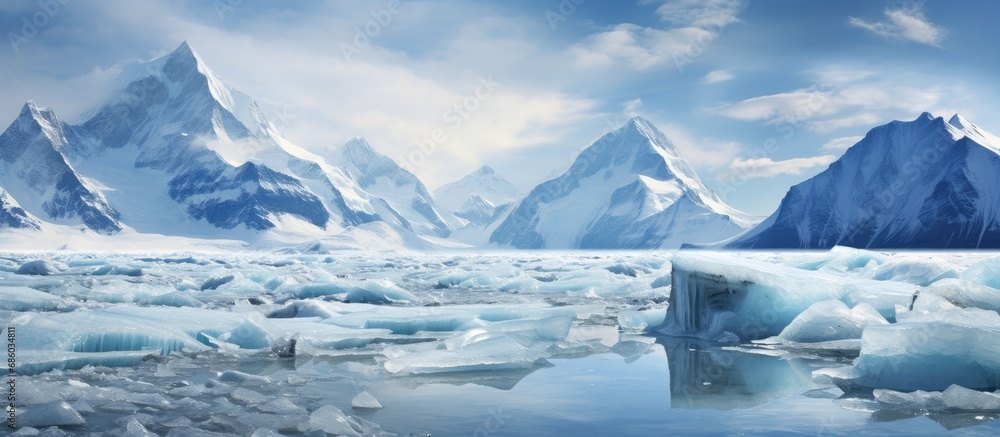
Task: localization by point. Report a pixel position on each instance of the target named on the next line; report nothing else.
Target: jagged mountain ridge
(34, 170)
(926, 183)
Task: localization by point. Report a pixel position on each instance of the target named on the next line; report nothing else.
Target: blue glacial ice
(726, 297)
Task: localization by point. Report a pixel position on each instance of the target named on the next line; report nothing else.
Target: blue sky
(723, 78)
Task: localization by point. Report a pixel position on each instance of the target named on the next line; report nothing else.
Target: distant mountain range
(175, 151)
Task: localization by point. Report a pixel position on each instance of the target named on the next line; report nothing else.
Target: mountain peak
(960, 122)
(485, 170)
(39, 114)
(184, 52)
(359, 145)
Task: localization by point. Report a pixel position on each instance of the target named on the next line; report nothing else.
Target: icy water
(474, 345)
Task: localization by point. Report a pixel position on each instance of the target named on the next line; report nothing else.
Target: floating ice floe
(934, 346)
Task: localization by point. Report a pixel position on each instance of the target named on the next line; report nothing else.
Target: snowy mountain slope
(478, 234)
(405, 200)
(13, 216)
(485, 183)
(630, 189)
(477, 210)
(202, 150)
(927, 183)
(34, 171)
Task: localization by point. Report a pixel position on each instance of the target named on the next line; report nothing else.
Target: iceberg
(929, 351)
(725, 297)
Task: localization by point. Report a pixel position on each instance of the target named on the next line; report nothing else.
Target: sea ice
(640, 320)
(41, 268)
(831, 320)
(56, 413)
(365, 400)
(331, 420)
(986, 272)
(927, 351)
(25, 299)
(954, 397)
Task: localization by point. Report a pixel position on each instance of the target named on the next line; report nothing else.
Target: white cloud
(908, 24)
(701, 153)
(632, 108)
(766, 167)
(841, 144)
(696, 25)
(717, 76)
(864, 119)
(842, 99)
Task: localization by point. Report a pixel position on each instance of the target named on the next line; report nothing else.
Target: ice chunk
(358, 291)
(378, 291)
(173, 299)
(917, 400)
(109, 269)
(331, 420)
(961, 398)
(365, 400)
(57, 413)
(255, 332)
(41, 267)
(831, 320)
(283, 407)
(927, 352)
(135, 429)
(965, 294)
(717, 295)
(154, 400)
(955, 397)
(641, 320)
(986, 272)
(243, 378)
(25, 299)
(627, 269)
(216, 282)
(496, 353)
(913, 270)
(843, 259)
(246, 396)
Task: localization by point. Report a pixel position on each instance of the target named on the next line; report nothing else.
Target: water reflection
(704, 375)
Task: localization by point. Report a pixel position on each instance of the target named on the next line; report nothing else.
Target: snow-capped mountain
(484, 183)
(401, 197)
(174, 150)
(926, 183)
(34, 170)
(630, 189)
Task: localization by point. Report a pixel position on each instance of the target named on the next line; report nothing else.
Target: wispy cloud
(695, 26)
(840, 99)
(632, 107)
(907, 24)
(767, 168)
(702, 153)
(840, 144)
(717, 76)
